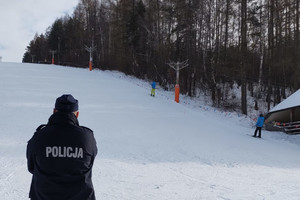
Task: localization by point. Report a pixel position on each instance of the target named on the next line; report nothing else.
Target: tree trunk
(271, 49)
(244, 55)
(297, 33)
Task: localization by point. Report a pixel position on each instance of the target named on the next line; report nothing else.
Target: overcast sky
(20, 20)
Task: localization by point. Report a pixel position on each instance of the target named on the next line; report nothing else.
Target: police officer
(60, 156)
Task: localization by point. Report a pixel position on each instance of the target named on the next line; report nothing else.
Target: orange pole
(90, 65)
(177, 91)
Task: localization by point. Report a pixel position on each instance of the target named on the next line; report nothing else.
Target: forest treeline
(253, 44)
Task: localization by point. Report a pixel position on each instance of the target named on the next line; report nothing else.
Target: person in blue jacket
(153, 88)
(259, 124)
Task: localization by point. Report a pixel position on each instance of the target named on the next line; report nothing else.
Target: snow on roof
(291, 101)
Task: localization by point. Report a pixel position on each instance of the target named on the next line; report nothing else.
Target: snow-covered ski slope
(149, 148)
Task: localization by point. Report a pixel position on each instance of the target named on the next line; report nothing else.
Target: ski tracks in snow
(13, 175)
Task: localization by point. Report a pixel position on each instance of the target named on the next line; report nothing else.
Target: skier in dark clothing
(259, 124)
(60, 156)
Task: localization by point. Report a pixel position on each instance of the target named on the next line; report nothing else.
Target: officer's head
(67, 104)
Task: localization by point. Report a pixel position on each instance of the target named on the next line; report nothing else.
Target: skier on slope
(153, 88)
(60, 156)
(259, 124)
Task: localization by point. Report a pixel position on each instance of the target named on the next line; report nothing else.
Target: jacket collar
(63, 118)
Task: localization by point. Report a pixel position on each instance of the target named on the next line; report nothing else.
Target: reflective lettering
(69, 150)
(75, 153)
(64, 152)
(80, 153)
(48, 151)
(54, 151)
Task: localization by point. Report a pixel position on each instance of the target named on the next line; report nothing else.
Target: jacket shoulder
(86, 129)
(41, 127)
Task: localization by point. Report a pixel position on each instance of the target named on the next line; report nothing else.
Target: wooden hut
(286, 115)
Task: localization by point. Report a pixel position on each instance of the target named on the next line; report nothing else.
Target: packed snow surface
(150, 148)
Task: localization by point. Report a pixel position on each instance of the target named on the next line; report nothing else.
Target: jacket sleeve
(94, 145)
(30, 155)
(257, 122)
(91, 141)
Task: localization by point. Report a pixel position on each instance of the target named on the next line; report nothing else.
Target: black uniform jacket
(60, 155)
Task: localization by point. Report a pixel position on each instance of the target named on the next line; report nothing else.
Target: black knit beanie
(66, 103)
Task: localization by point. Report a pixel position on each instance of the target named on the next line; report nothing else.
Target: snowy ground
(149, 148)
